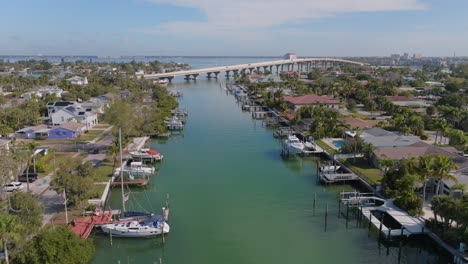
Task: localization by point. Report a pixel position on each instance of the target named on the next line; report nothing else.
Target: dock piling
(326, 216)
(315, 199)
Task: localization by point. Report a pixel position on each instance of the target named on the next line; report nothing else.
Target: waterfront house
(77, 80)
(421, 149)
(311, 99)
(33, 132)
(67, 130)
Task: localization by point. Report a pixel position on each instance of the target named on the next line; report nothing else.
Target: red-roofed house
(311, 99)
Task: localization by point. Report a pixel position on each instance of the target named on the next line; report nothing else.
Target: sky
(234, 28)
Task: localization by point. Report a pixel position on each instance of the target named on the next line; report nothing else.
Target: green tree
(8, 231)
(27, 211)
(59, 245)
(442, 167)
(70, 179)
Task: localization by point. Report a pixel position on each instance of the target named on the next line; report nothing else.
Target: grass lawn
(358, 115)
(60, 158)
(104, 171)
(102, 126)
(360, 166)
(90, 135)
(326, 147)
(96, 191)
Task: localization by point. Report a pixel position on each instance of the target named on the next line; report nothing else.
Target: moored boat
(146, 154)
(294, 145)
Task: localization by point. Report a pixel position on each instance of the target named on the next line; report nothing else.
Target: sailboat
(135, 224)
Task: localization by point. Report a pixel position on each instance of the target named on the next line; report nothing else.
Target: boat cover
(152, 152)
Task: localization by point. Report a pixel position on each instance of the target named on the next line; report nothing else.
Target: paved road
(52, 201)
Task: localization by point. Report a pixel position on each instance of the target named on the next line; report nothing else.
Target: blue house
(32, 132)
(67, 130)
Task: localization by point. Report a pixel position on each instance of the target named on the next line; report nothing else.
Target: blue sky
(241, 27)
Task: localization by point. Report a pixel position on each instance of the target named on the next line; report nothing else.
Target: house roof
(377, 132)
(355, 122)
(72, 126)
(400, 98)
(38, 128)
(310, 99)
(420, 149)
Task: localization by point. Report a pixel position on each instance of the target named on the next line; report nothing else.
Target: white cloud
(227, 17)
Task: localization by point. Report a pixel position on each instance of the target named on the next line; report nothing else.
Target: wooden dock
(127, 182)
(83, 226)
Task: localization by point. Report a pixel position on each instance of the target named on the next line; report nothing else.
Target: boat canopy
(152, 152)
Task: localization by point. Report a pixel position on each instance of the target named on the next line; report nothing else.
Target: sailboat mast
(121, 170)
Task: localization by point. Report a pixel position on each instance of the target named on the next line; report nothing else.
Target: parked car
(13, 186)
(32, 177)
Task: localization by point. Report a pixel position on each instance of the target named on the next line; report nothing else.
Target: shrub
(410, 202)
(424, 137)
(91, 207)
(41, 137)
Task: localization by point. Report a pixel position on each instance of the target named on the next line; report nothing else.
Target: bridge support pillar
(277, 69)
(271, 69)
(282, 67)
(236, 73)
(195, 76)
(208, 75)
(227, 74)
(258, 70)
(187, 77)
(265, 68)
(251, 70)
(216, 74)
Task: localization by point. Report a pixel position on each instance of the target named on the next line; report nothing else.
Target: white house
(78, 80)
(70, 111)
(43, 92)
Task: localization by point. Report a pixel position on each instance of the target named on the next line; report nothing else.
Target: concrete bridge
(298, 64)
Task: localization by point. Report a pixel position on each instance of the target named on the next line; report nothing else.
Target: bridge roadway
(300, 63)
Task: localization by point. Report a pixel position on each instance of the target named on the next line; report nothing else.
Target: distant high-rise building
(62, 60)
(395, 56)
(417, 56)
(406, 56)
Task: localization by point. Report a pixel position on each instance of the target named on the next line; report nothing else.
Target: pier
(383, 214)
(83, 226)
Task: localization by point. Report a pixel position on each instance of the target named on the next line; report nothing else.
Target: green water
(235, 200)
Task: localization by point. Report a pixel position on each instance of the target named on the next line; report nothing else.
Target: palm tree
(8, 228)
(442, 166)
(425, 171)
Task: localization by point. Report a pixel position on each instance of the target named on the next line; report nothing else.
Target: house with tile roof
(311, 99)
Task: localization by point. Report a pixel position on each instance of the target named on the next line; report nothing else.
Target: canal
(235, 200)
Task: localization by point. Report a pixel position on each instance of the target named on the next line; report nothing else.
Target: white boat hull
(125, 232)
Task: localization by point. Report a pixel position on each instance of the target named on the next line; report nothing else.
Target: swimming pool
(338, 143)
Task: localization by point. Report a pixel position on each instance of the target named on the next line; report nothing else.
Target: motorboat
(294, 145)
(150, 227)
(174, 123)
(330, 168)
(136, 168)
(146, 153)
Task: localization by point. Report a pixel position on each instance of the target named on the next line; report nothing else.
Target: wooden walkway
(84, 225)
